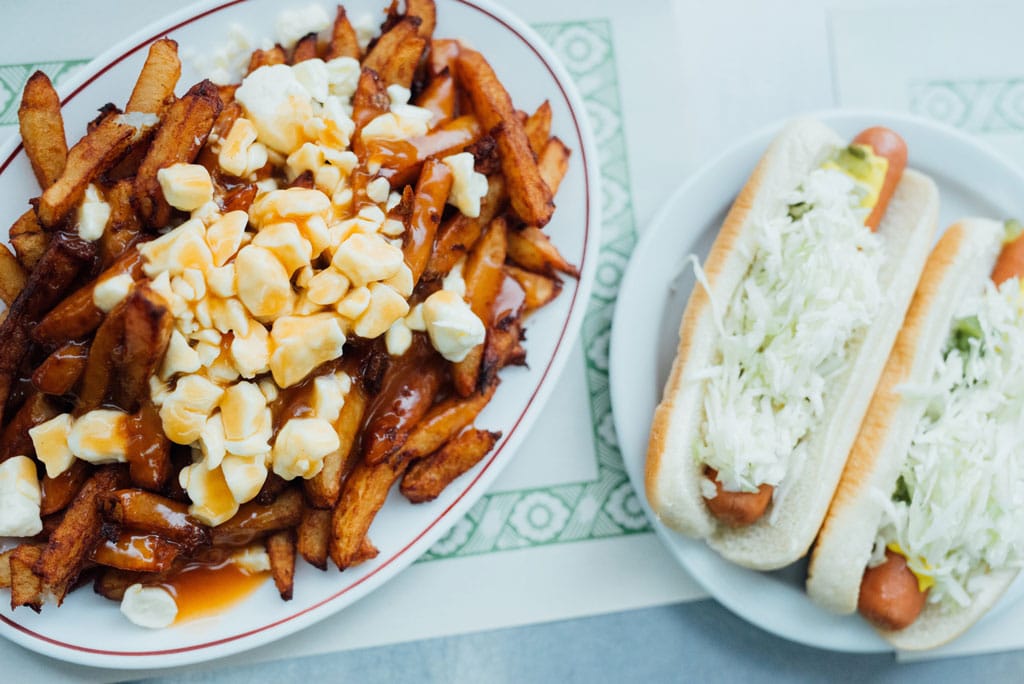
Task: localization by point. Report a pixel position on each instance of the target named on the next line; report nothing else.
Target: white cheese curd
(93, 215)
(958, 512)
(110, 292)
(292, 25)
(811, 290)
(468, 186)
(20, 498)
(452, 326)
(151, 607)
(278, 105)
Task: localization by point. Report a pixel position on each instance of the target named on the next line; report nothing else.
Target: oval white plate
(972, 180)
(90, 630)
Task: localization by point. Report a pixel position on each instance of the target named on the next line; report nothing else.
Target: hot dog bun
(959, 263)
(673, 475)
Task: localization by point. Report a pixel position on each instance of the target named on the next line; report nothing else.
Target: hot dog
(799, 300)
(923, 534)
(877, 157)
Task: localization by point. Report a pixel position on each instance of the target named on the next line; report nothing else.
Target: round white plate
(972, 180)
(90, 630)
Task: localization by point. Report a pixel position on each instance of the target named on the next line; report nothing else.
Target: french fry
(5, 568)
(281, 549)
(147, 331)
(426, 12)
(123, 228)
(137, 552)
(42, 129)
(64, 258)
(531, 249)
(401, 68)
(98, 375)
(26, 585)
(111, 583)
(428, 477)
(137, 509)
(410, 385)
(362, 496)
(400, 160)
(368, 102)
(389, 45)
(149, 449)
(28, 239)
(483, 276)
(15, 438)
(58, 492)
(78, 533)
(240, 198)
(77, 315)
(458, 235)
(537, 289)
(324, 488)
(344, 42)
(12, 276)
(181, 135)
(529, 196)
(443, 53)
(553, 163)
(304, 49)
(432, 190)
(93, 154)
(538, 129)
(255, 520)
(158, 77)
(313, 537)
(269, 57)
(503, 345)
(439, 98)
(272, 488)
(445, 420)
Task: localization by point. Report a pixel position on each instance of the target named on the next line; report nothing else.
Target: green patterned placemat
(977, 105)
(606, 506)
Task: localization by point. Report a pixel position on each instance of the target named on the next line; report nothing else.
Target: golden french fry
(158, 77)
(151, 513)
(529, 196)
(26, 585)
(314, 535)
(281, 549)
(538, 289)
(553, 163)
(269, 57)
(432, 190)
(361, 498)
(185, 127)
(28, 239)
(149, 449)
(538, 129)
(368, 102)
(389, 43)
(58, 492)
(137, 552)
(445, 420)
(439, 98)
(98, 375)
(304, 49)
(12, 276)
(78, 533)
(426, 478)
(255, 520)
(400, 160)
(324, 488)
(111, 583)
(42, 129)
(147, 331)
(457, 235)
(426, 12)
(5, 568)
(124, 227)
(344, 42)
(15, 440)
(531, 249)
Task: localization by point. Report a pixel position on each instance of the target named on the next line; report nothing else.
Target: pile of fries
(407, 419)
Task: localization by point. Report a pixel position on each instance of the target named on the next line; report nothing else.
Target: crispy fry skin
(531, 249)
(26, 585)
(281, 549)
(401, 68)
(344, 42)
(304, 49)
(158, 77)
(97, 151)
(530, 197)
(324, 488)
(149, 449)
(502, 346)
(389, 45)
(262, 58)
(98, 376)
(15, 440)
(553, 163)
(147, 331)
(439, 98)
(42, 129)
(538, 289)
(431, 195)
(368, 102)
(408, 391)
(78, 533)
(111, 583)
(77, 315)
(538, 129)
(255, 520)
(12, 276)
(144, 511)
(426, 12)
(362, 496)
(58, 492)
(443, 54)
(445, 420)
(57, 270)
(28, 239)
(181, 135)
(314, 535)
(428, 477)
(124, 226)
(459, 233)
(137, 552)
(483, 275)
(5, 568)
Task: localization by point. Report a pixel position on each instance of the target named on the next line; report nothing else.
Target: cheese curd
(468, 186)
(185, 186)
(278, 106)
(453, 328)
(301, 445)
(100, 436)
(93, 215)
(50, 441)
(151, 607)
(20, 498)
(110, 292)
